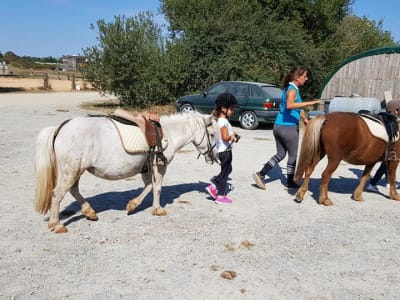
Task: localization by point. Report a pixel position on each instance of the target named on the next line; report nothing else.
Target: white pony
(65, 152)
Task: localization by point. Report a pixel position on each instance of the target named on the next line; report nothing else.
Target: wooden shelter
(368, 74)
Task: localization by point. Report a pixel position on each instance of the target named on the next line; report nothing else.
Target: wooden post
(73, 82)
(46, 81)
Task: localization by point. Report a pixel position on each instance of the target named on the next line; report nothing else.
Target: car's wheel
(248, 120)
(186, 108)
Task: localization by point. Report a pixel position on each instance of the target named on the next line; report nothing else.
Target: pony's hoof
(58, 228)
(395, 197)
(358, 198)
(299, 197)
(159, 211)
(90, 215)
(326, 202)
(130, 207)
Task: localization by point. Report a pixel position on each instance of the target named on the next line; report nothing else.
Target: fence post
(46, 81)
(73, 82)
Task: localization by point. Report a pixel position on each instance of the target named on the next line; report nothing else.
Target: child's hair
(216, 112)
(226, 100)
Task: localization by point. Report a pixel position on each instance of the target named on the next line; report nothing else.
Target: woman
(286, 127)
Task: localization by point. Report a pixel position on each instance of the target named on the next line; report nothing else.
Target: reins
(209, 152)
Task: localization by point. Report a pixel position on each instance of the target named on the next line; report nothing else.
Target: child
(224, 107)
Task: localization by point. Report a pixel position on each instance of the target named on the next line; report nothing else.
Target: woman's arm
(291, 104)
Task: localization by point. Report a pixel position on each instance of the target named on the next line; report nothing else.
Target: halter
(209, 154)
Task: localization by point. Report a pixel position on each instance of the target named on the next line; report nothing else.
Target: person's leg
(371, 186)
(379, 174)
(291, 142)
(279, 135)
(274, 160)
(226, 168)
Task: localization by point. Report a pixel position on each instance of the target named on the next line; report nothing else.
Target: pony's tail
(45, 169)
(310, 146)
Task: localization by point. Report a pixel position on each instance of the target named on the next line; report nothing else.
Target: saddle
(148, 122)
(388, 120)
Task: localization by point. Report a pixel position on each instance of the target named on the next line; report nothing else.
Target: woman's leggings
(287, 141)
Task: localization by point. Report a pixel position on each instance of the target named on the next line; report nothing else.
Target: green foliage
(28, 62)
(129, 61)
(236, 40)
(355, 35)
(213, 40)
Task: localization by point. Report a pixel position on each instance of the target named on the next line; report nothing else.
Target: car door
(241, 92)
(207, 103)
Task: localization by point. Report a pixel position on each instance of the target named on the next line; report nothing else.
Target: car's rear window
(272, 91)
(256, 91)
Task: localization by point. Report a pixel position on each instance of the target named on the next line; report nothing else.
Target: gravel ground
(263, 246)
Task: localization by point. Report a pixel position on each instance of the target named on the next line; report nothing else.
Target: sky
(42, 28)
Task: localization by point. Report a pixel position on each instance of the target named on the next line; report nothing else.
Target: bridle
(209, 153)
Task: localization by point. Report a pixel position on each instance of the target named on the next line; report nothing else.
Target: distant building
(72, 62)
(4, 68)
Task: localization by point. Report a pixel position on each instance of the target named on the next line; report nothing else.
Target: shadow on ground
(119, 200)
(11, 89)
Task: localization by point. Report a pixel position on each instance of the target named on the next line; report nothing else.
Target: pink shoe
(212, 190)
(223, 200)
(229, 198)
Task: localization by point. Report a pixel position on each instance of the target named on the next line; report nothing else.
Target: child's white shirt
(222, 145)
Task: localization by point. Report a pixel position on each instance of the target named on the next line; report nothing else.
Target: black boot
(265, 170)
(291, 184)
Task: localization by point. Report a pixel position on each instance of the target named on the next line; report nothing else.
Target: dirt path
(278, 249)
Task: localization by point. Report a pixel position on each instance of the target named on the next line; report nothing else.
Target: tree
(9, 57)
(236, 40)
(129, 60)
(213, 40)
(260, 39)
(355, 35)
(319, 18)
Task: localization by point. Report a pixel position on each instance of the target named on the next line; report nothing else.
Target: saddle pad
(132, 138)
(376, 128)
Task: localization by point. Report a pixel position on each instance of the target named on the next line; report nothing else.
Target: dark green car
(259, 102)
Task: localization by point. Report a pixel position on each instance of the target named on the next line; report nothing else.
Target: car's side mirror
(205, 93)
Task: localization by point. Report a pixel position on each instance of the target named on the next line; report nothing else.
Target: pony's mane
(179, 116)
(193, 119)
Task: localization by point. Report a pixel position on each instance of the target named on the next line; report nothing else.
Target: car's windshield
(272, 91)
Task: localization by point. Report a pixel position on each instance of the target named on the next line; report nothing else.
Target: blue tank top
(289, 117)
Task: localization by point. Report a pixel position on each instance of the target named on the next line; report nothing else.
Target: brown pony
(342, 136)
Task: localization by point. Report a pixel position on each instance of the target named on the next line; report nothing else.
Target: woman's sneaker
(223, 200)
(212, 190)
(259, 179)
